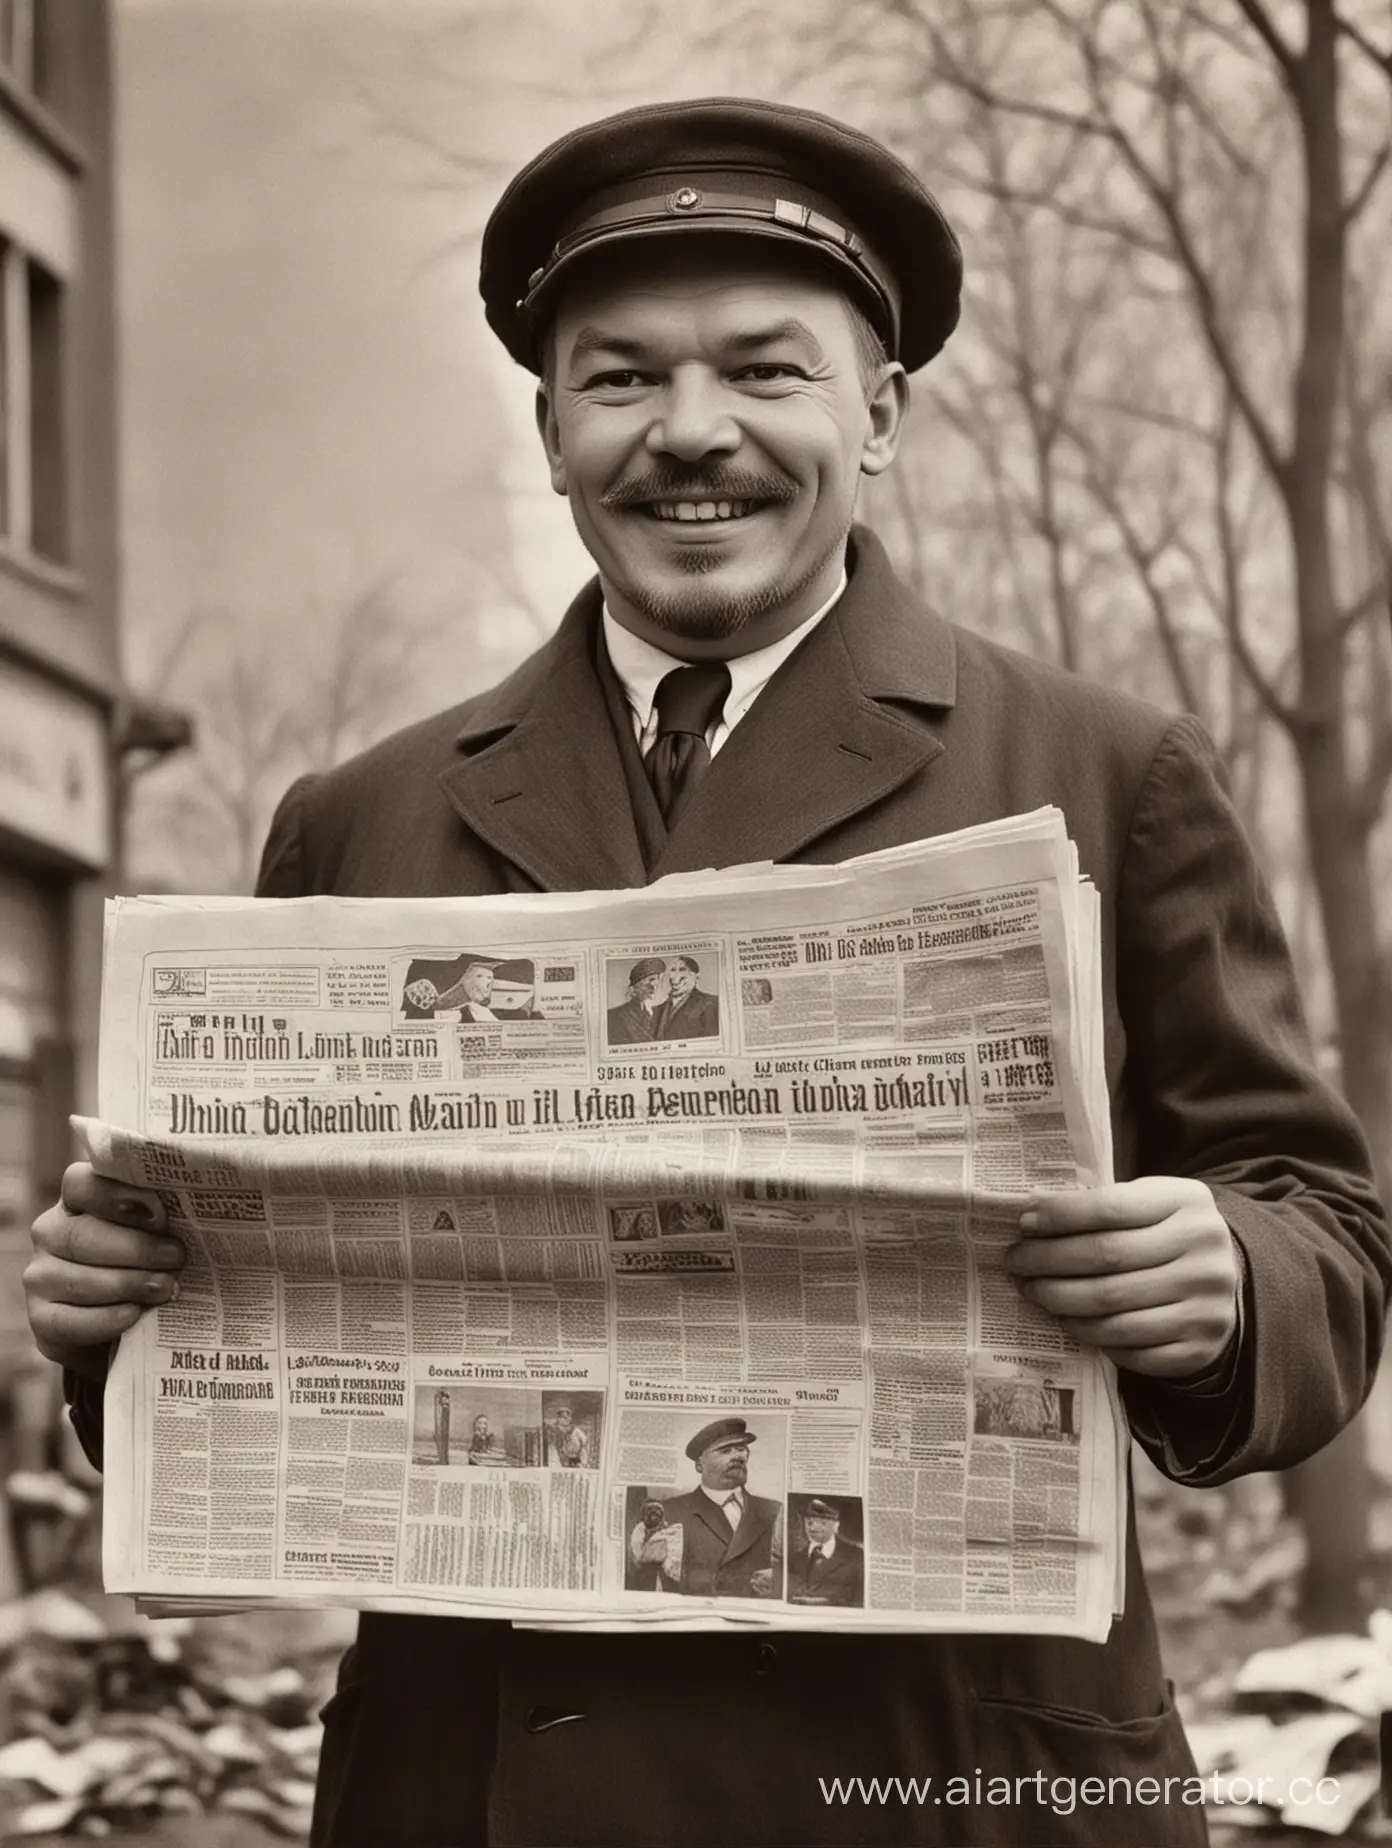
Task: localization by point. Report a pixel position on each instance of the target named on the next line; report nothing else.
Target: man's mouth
(690, 512)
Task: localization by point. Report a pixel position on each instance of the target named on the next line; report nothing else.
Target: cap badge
(685, 199)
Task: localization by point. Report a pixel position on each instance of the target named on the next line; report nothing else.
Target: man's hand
(1145, 1270)
(99, 1260)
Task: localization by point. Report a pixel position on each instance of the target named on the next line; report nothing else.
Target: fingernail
(170, 1250)
(1029, 1222)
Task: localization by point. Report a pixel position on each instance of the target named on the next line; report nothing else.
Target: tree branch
(1362, 607)
(1380, 59)
(1261, 23)
(1361, 193)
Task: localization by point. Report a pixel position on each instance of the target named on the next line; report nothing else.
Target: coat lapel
(541, 780)
(819, 746)
(754, 1524)
(837, 729)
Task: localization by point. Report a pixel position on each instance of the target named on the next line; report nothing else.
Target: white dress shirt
(734, 1513)
(640, 666)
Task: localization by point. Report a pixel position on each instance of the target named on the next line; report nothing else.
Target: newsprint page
(618, 1259)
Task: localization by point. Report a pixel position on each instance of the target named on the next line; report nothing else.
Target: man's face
(563, 1418)
(820, 1528)
(481, 1426)
(708, 421)
(652, 989)
(680, 980)
(478, 984)
(724, 1466)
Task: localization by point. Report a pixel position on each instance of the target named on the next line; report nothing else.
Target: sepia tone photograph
(466, 449)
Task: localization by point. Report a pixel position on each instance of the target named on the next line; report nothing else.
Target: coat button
(542, 1719)
(765, 1662)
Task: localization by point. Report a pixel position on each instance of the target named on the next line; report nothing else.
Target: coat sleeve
(1219, 1063)
(281, 876)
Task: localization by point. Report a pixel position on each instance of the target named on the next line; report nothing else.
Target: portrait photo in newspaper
(717, 1529)
(470, 988)
(826, 1550)
(463, 1425)
(657, 998)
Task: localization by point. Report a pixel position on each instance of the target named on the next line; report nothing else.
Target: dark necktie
(688, 700)
(816, 1559)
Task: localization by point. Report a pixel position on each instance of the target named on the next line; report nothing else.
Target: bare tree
(1188, 185)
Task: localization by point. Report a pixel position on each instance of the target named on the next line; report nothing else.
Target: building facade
(60, 703)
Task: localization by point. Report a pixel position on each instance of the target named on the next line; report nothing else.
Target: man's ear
(889, 402)
(549, 432)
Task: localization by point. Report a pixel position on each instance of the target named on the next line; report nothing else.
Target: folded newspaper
(618, 1258)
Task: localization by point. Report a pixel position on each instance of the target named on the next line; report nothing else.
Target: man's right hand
(101, 1256)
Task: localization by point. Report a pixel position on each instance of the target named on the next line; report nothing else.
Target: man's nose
(694, 420)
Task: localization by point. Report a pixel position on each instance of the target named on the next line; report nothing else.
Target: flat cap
(720, 1431)
(732, 165)
(822, 1510)
(644, 967)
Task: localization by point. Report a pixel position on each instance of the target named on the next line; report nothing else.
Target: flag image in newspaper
(621, 1259)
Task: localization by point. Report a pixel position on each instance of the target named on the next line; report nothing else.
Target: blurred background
(269, 489)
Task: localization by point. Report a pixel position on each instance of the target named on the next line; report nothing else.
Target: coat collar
(836, 730)
(758, 1517)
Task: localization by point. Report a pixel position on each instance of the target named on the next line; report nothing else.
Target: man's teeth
(703, 510)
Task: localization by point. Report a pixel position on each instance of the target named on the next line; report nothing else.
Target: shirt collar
(640, 665)
(724, 1495)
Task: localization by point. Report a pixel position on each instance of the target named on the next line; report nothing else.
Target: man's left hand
(1144, 1270)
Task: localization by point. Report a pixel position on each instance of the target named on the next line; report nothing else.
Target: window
(21, 42)
(33, 475)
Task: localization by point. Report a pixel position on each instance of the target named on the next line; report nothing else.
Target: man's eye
(767, 372)
(623, 379)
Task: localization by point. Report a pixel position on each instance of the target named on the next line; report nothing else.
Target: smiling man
(722, 302)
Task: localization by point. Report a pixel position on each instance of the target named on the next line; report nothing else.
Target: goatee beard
(706, 611)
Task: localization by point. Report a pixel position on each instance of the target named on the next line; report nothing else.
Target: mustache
(717, 484)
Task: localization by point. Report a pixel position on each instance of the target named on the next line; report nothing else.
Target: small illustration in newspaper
(720, 1537)
(469, 988)
(570, 1429)
(682, 1218)
(629, 1224)
(657, 998)
(506, 1427)
(1025, 1408)
(826, 1558)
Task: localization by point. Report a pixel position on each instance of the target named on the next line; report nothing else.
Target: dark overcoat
(888, 724)
(840, 1579)
(717, 1562)
(698, 1017)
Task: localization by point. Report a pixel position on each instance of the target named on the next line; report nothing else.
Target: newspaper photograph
(618, 1259)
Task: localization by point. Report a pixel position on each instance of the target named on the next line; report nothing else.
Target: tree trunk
(1331, 1490)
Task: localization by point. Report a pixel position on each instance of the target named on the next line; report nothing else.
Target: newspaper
(619, 1259)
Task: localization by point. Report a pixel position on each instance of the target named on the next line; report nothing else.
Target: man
(637, 1019)
(566, 1446)
(485, 1450)
(722, 301)
(690, 1012)
(719, 1541)
(825, 1568)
